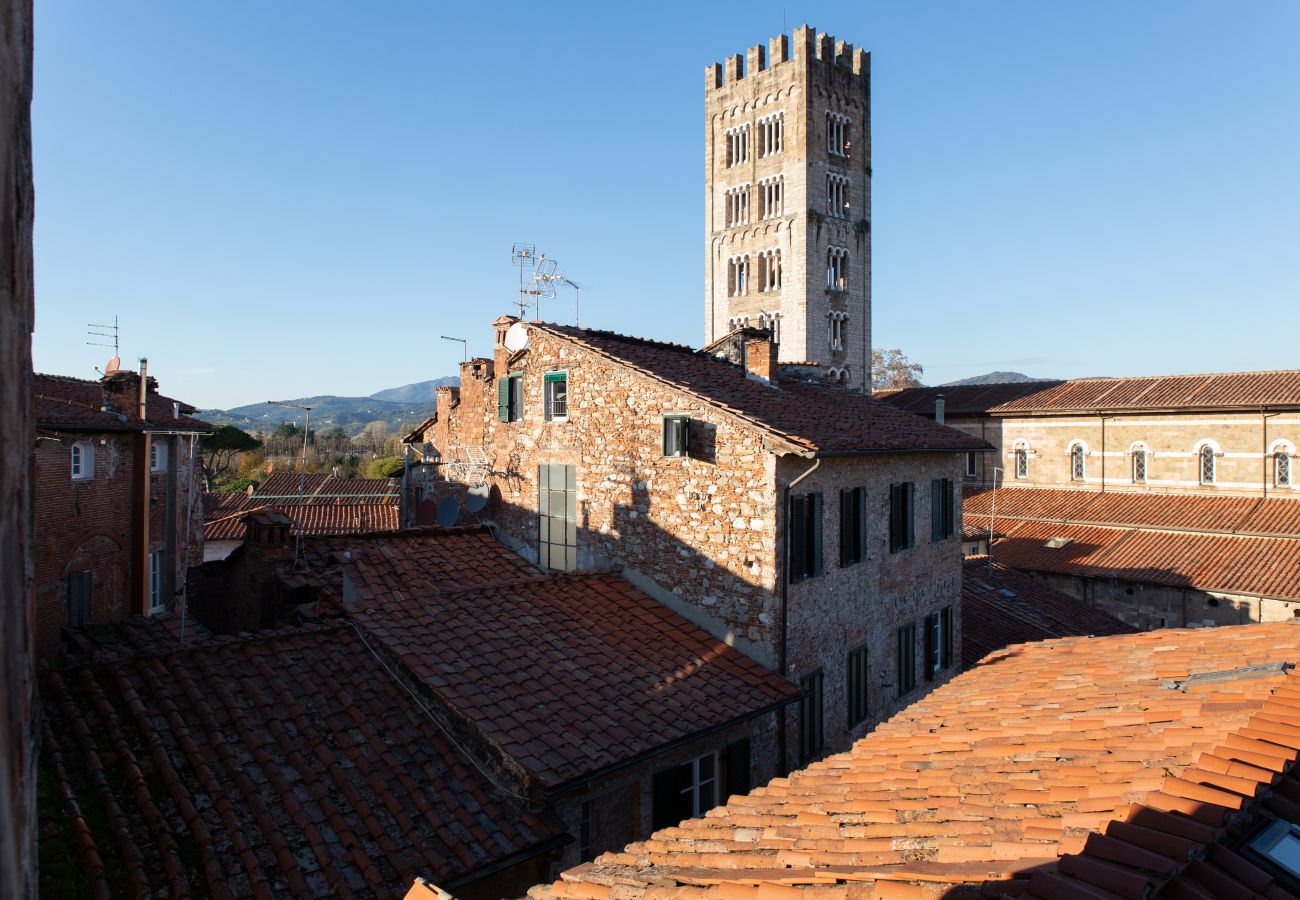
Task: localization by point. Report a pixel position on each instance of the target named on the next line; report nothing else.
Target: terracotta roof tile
(816, 418)
(1005, 769)
(1233, 390)
(291, 764)
(223, 519)
(107, 405)
(961, 399)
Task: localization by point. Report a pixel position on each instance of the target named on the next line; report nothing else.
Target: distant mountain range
(993, 378)
(400, 408)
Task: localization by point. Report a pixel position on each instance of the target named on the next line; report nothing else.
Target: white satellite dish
(477, 497)
(448, 512)
(517, 337)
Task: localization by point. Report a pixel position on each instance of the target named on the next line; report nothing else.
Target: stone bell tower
(787, 208)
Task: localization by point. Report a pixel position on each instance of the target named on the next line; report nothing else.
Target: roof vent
(1057, 543)
(1266, 670)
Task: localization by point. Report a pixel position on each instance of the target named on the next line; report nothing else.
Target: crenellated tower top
(807, 45)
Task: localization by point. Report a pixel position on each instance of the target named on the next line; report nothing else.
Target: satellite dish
(517, 337)
(425, 514)
(477, 497)
(448, 512)
(112, 365)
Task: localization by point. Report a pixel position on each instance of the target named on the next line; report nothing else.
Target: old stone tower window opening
(837, 195)
(769, 270)
(837, 134)
(771, 197)
(737, 145)
(771, 134)
(737, 206)
(836, 330)
(1139, 464)
(1077, 467)
(1021, 452)
(1206, 468)
(738, 275)
(837, 268)
(83, 461)
(770, 320)
(736, 322)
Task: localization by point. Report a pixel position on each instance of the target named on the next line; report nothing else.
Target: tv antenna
(464, 346)
(524, 258)
(546, 276)
(577, 296)
(109, 332)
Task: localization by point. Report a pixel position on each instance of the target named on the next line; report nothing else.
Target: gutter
(505, 862)
(565, 787)
(832, 454)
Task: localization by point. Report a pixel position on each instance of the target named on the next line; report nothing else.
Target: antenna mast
(110, 333)
(523, 257)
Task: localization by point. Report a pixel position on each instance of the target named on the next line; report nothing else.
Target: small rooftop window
(1057, 543)
(1280, 843)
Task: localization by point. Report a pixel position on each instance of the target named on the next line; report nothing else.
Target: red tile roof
(576, 673)
(961, 399)
(1228, 390)
(76, 404)
(285, 485)
(811, 418)
(1000, 606)
(316, 517)
(1014, 768)
(1150, 538)
(292, 764)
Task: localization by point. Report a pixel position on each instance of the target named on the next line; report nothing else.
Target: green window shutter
(503, 399)
(909, 514)
(553, 376)
(949, 525)
(847, 542)
(936, 509)
(947, 629)
(930, 623)
(795, 529)
(517, 397)
(815, 511)
(860, 498)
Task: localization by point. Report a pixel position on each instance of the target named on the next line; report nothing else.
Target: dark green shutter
(795, 528)
(947, 630)
(815, 511)
(936, 509)
(909, 514)
(503, 399)
(931, 646)
(948, 502)
(847, 555)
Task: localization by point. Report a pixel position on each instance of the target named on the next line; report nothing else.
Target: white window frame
(737, 205)
(81, 462)
(1139, 452)
(738, 275)
(156, 581)
(1207, 450)
(696, 789)
(737, 145)
(157, 456)
(769, 271)
(548, 401)
(771, 197)
(1077, 450)
(837, 327)
(837, 126)
(837, 195)
(1020, 459)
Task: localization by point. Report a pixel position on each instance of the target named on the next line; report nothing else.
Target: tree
(222, 448)
(891, 369)
(384, 467)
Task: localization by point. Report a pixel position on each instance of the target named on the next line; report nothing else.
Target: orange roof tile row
(1180, 392)
(1277, 516)
(292, 764)
(1025, 759)
(285, 485)
(960, 399)
(1000, 606)
(315, 517)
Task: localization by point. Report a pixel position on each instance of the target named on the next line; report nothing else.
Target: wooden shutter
(948, 524)
(936, 509)
(909, 514)
(946, 631)
(795, 533)
(847, 542)
(78, 599)
(503, 399)
(684, 437)
(902, 661)
(860, 498)
(736, 760)
(895, 517)
(931, 646)
(815, 532)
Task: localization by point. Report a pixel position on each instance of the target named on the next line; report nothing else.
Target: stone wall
(17, 316)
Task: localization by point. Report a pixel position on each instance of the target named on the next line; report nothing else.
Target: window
(771, 134)
(941, 509)
(1281, 469)
(510, 398)
(555, 387)
(1022, 461)
(772, 320)
(557, 517)
(83, 461)
(837, 134)
(687, 791)
(677, 435)
(157, 456)
(584, 832)
(906, 659)
(938, 642)
(1206, 456)
(1077, 470)
(837, 195)
(737, 209)
(1139, 465)
(737, 145)
(804, 537)
(156, 573)
(837, 324)
(901, 517)
(837, 267)
(971, 460)
(738, 275)
(859, 677)
(769, 273)
(78, 599)
(771, 197)
(853, 542)
(810, 716)
(1279, 843)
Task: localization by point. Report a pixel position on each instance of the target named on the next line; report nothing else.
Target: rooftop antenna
(524, 258)
(110, 332)
(464, 346)
(577, 296)
(545, 278)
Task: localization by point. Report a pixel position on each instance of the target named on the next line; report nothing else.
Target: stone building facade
(787, 157)
(707, 527)
(118, 471)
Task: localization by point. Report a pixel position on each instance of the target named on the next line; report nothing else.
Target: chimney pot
(938, 409)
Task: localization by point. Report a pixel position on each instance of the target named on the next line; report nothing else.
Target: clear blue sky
(285, 199)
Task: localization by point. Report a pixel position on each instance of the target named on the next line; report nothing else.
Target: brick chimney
(267, 535)
(499, 352)
(760, 357)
